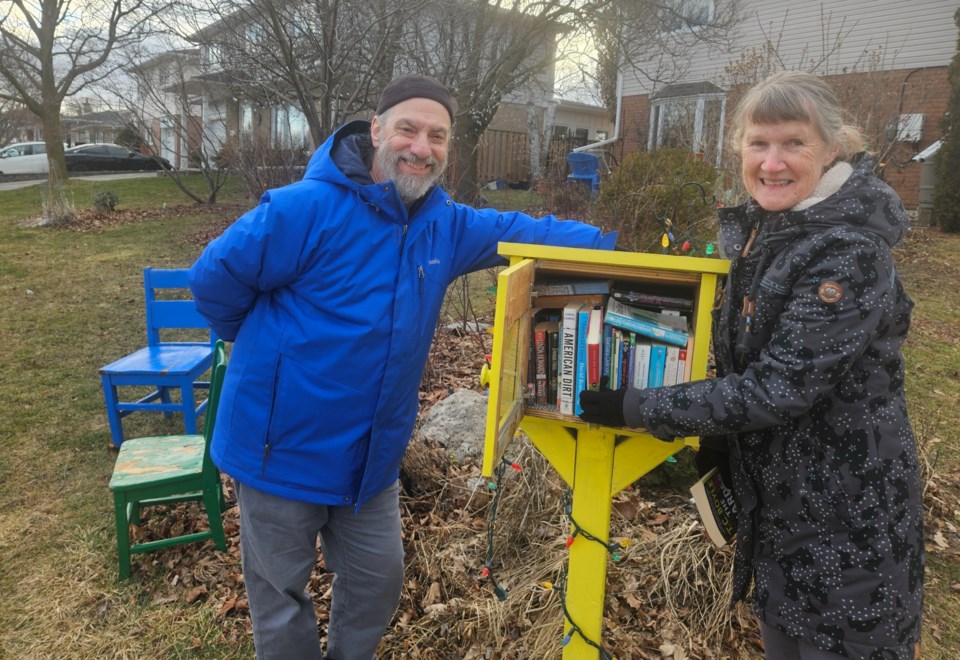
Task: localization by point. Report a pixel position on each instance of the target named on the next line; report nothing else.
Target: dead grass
(72, 301)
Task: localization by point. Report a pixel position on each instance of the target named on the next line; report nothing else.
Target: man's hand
(604, 407)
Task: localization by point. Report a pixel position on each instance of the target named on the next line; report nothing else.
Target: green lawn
(72, 301)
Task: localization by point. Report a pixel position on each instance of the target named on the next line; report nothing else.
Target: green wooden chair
(167, 469)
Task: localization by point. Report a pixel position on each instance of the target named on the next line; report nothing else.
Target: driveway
(13, 185)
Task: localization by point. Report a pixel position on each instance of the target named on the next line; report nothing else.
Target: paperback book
(717, 506)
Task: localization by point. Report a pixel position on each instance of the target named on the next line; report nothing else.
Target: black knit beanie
(411, 87)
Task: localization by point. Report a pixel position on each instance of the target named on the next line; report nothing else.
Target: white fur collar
(828, 184)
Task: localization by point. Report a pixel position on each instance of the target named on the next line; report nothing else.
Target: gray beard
(410, 187)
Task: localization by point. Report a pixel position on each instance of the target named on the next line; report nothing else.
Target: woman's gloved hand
(604, 407)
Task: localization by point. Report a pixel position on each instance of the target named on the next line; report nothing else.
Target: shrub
(653, 192)
(946, 196)
(105, 201)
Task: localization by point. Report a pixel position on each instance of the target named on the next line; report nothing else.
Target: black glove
(713, 452)
(604, 407)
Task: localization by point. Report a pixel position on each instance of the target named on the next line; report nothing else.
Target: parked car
(23, 149)
(32, 164)
(110, 157)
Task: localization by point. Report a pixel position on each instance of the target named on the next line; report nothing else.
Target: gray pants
(278, 545)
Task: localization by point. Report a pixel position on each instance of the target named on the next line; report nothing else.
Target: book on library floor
(641, 374)
(594, 337)
(540, 342)
(569, 287)
(559, 302)
(627, 318)
(651, 300)
(568, 350)
(553, 373)
(717, 506)
(658, 360)
(670, 375)
(580, 384)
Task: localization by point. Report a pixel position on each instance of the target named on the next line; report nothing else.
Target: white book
(670, 367)
(641, 370)
(566, 376)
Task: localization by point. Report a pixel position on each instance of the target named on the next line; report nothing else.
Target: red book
(594, 338)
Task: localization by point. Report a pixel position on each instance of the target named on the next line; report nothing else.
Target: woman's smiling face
(783, 162)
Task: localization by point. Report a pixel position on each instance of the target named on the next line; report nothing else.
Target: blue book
(570, 287)
(583, 322)
(623, 317)
(607, 345)
(658, 360)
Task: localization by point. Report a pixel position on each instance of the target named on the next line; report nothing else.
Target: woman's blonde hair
(796, 96)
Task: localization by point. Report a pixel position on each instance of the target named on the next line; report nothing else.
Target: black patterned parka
(809, 402)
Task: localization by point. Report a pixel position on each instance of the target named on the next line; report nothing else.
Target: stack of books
(588, 330)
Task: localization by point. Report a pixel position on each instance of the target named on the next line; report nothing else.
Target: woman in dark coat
(808, 407)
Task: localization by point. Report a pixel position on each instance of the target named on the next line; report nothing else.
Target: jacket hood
(345, 157)
(863, 202)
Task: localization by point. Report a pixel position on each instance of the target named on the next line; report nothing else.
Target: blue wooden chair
(162, 365)
(166, 470)
(584, 168)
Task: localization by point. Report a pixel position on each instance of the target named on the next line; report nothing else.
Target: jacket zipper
(266, 442)
(420, 276)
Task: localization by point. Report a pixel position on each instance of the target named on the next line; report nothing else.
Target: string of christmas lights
(560, 587)
(487, 571)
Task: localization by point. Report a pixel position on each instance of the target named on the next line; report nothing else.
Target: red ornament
(686, 246)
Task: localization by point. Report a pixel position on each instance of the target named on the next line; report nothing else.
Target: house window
(676, 15)
(688, 116)
(580, 134)
(246, 124)
(602, 135)
(560, 131)
(290, 128)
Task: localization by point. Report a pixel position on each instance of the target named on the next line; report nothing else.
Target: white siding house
(887, 59)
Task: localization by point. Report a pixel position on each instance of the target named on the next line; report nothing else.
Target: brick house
(887, 59)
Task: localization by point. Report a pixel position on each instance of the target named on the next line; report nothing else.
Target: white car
(33, 164)
(23, 149)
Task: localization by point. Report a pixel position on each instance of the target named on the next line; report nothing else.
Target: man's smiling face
(783, 162)
(411, 141)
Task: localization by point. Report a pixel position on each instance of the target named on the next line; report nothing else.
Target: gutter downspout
(616, 122)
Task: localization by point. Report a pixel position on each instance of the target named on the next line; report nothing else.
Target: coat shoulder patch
(830, 291)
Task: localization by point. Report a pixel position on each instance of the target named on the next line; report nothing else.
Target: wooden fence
(506, 155)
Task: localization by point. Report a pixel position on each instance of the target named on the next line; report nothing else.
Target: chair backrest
(583, 164)
(175, 310)
(217, 375)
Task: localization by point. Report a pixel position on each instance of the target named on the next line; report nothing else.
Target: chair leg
(164, 393)
(123, 534)
(211, 502)
(189, 404)
(113, 414)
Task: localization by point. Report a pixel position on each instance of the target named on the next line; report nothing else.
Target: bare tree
(487, 51)
(329, 58)
(52, 49)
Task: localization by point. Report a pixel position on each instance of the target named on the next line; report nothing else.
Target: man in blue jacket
(331, 290)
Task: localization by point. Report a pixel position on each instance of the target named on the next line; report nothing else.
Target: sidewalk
(14, 185)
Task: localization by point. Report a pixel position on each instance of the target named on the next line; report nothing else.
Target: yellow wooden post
(587, 571)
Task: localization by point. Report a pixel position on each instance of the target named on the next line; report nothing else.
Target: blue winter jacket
(331, 292)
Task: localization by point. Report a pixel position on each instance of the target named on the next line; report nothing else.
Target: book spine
(670, 368)
(642, 373)
(631, 358)
(594, 338)
(682, 375)
(658, 358)
(646, 329)
(607, 345)
(568, 359)
(652, 300)
(583, 322)
(540, 346)
(553, 363)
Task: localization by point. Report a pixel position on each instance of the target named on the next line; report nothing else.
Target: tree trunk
(466, 142)
(57, 209)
